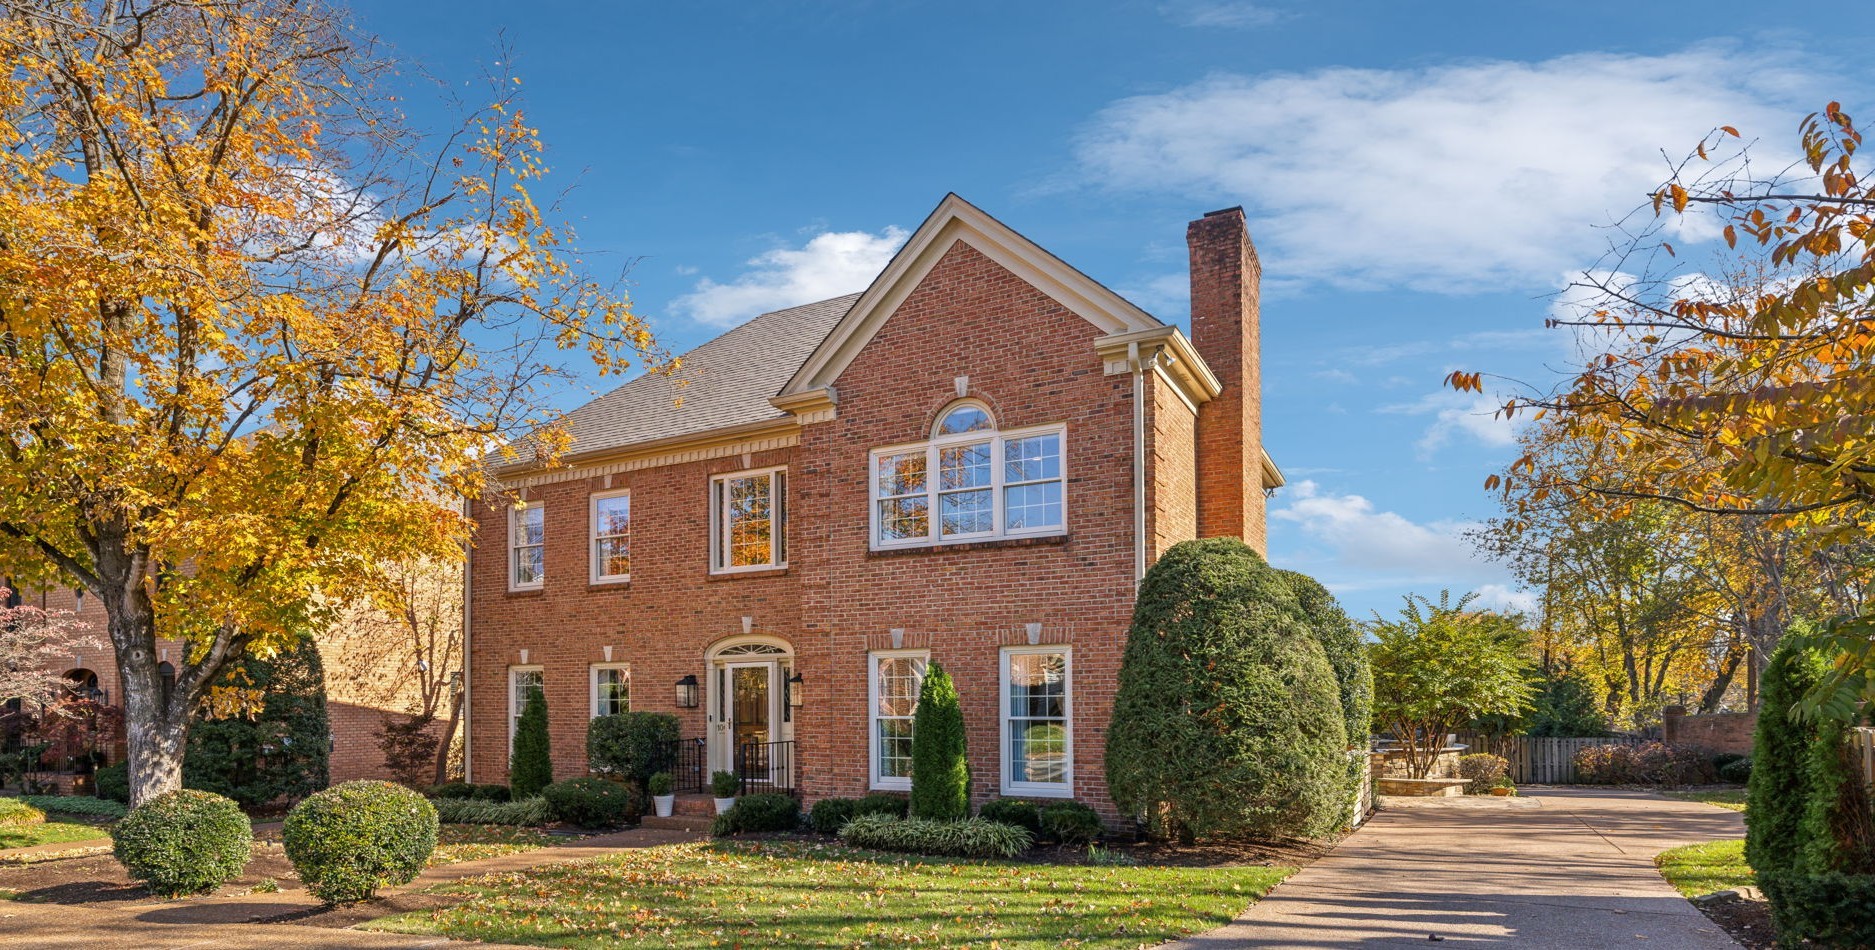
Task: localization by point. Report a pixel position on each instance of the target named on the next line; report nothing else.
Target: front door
(749, 694)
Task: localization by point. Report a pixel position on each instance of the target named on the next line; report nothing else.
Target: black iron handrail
(765, 767)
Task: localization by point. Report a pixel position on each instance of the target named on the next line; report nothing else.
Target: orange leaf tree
(1746, 392)
(244, 309)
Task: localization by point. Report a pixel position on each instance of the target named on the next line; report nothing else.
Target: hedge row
(963, 838)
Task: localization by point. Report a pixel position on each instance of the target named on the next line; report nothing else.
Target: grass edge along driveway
(805, 894)
(1697, 869)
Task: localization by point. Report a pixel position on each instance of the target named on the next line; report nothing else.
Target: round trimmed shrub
(1013, 811)
(491, 792)
(451, 790)
(1737, 771)
(1484, 770)
(1228, 718)
(1070, 823)
(829, 815)
(764, 812)
(882, 803)
(183, 842)
(114, 782)
(940, 770)
(351, 839)
(590, 802)
(18, 814)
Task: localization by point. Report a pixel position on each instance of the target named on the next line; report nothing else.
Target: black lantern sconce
(795, 691)
(687, 692)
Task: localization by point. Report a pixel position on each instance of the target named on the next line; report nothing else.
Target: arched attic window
(989, 483)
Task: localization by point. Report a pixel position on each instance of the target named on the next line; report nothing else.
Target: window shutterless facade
(1038, 721)
(523, 681)
(527, 546)
(748, 521)
(970, 482)
(611, 526)
(611, 689)
(895, 677)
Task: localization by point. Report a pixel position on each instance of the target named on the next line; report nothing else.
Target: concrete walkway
(233, 923)
(1551, 868)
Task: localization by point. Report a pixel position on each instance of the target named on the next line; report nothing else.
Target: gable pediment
(956, 220)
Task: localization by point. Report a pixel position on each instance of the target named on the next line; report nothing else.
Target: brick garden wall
(1716, 732)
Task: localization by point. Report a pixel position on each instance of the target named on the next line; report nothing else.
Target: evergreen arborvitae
(1779, 789)
(940, 773)
(531, 767)
(1342, 645)
(282, 750)
(1565, 705)
(1228, 718)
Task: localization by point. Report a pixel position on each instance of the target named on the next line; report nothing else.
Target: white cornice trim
(814, 405)
(1168, 350)
(1272, 476)
(698, 449)
(957, 220)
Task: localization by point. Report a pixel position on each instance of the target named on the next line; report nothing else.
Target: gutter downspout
(1139, 462)
(468, 708)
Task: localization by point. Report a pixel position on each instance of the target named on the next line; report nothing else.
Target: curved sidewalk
(1552, 868)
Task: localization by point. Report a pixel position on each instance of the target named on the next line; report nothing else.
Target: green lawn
(797, 894)
(51, 832)
(1732, 799)
(474, 842)
(1697, 869)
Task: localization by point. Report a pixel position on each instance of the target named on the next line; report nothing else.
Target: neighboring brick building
(970, 463)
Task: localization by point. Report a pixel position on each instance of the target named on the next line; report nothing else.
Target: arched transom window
(971, 481)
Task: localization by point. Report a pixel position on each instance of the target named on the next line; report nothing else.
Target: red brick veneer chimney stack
(1224, 279)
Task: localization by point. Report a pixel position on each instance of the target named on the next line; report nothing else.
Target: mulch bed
(101, 880)
(1748, 922)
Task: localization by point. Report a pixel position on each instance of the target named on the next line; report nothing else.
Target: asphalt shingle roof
(725, 382)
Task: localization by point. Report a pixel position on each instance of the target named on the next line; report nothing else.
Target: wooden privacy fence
(1540, 760)
(1862, 739)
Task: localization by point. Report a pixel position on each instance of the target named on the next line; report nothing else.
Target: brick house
(971, 463)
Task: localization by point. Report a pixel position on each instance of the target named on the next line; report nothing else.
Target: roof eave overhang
(1166, 348)
(740, 432)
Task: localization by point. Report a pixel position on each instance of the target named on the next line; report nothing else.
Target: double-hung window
(527, 546)
(896, 677)
(1038, 724)
(748, 521)
(523, 681)
(611, 689)
(969, 482)
(611, 537)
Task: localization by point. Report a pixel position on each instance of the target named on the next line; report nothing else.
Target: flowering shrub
(1646, 763)
(1484, 770)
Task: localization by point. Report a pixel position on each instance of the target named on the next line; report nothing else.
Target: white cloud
(1456, 414)
(828, 265)
(1228, 14)
(1356, 547)
(1447, 178)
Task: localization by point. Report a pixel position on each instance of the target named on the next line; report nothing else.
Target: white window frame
(1064, 789)
(593, 684)
(514, 717)
(999, 440)
(515, 513)
(876, 781)
(778, 513)
(596, 569)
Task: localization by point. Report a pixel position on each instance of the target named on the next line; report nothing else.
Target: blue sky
(1421, 180)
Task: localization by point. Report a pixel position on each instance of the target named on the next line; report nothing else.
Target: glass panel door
(749, 688)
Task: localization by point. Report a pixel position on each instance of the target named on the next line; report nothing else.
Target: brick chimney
(1224, 279)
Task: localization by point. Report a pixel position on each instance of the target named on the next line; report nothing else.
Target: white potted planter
(661, 797)
(724, 785)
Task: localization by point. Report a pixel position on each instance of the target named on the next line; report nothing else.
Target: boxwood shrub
(1832, 909)
(764, 812)
(184, 842)
(591, 802)
(631, 745)
(1070, 823)
(17, 814)
(829, 815)
(882, 803)
(455, 790)
(1013, 811)
(460, 811)
(351, 839)
(964, 838)
(114, 782)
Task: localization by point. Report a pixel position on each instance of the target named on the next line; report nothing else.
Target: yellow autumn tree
(1746, 389)
(244, 308)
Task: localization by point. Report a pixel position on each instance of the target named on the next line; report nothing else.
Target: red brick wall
(1172, 503)
(1715, 732)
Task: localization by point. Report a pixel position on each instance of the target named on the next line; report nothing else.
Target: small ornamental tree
(1228, 718)
(1440, 666)
(531, 768)
(940, 773)
(263, 733)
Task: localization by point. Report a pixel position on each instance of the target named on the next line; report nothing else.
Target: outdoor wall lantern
(795, 691)
(687, 692)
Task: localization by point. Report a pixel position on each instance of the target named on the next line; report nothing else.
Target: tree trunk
(447, 739)
(154, 731)
(1722, 680)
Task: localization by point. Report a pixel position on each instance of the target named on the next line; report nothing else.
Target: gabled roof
(956, 219)
(722, 384)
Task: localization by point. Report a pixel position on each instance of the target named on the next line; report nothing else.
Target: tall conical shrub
(1779, 788)
(530, 769)
(1228, 719)
(940, 772)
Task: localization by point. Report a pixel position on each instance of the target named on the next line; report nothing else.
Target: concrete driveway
(1551, 868)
